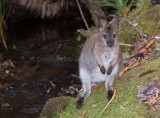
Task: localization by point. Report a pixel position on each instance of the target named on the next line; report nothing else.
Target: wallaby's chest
(109, 56)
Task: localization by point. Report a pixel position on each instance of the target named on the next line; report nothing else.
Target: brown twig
(134, 63)
(61, 116)
(74, 76)
(115, 92)
(131, 65)
(83, 114)
(82, 15)
(52, 84)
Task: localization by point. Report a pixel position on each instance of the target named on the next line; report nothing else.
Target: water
(44, 59)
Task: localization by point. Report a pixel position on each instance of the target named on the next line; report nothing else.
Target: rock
(7, 71)
(5, 105)
(5, 65)
(30, 110)
(54, 106)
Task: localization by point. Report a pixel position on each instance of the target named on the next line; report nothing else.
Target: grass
(125, 104)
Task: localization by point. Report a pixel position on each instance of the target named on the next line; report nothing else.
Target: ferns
(121, 6)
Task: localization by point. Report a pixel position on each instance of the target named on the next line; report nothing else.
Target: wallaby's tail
(127, 60)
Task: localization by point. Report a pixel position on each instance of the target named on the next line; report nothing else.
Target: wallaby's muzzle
(110, 43)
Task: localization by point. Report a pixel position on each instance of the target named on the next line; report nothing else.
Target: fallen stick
(115, 92)
(145, 51)
(83, 114)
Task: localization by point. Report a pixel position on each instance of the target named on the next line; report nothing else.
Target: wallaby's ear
(101, 22)
(115, 20)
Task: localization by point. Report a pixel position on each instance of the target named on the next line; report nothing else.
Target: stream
(41, 63)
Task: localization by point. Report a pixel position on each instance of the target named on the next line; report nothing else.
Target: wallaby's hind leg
(86, 87)
(110, 81)
(109, 87)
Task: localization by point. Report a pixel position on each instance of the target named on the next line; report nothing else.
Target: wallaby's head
(108, 31)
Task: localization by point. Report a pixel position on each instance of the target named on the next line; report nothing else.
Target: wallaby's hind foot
(110, 94)
(80, 102)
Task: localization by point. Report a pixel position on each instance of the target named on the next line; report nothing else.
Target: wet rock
(5, 65)
(7, 71)
(5, 105)
(37, 87)
(30, 110)
(13, 90)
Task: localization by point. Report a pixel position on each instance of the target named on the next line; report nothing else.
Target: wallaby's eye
(104, 36)
(114, 35)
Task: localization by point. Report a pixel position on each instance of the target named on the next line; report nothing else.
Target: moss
(54, 106)
(127, 34)
(125, 104)
(150, 20)
(147, 17)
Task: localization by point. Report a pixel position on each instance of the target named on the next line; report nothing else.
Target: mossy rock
(54, 106)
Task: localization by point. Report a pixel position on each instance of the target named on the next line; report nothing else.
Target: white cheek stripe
(104, 41)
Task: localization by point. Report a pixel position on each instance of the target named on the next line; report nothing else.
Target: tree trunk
(95, 10)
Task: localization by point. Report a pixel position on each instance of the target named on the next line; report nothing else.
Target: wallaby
(100, 59)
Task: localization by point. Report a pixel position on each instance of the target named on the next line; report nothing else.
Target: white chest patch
(107, 58)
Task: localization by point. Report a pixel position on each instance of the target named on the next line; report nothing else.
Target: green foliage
(122, 6)
(4, 10)
(146, 16)
(142, 4)
(127, 34)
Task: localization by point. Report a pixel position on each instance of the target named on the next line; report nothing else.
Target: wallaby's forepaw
(80, 102)
(103, 70)
(109, 70)
(110, 94)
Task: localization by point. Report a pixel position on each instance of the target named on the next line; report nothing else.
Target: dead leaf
(94, 106)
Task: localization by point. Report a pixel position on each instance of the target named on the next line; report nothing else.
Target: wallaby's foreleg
(109, 70)
(100, 65)
(99, 61)
(86, 87)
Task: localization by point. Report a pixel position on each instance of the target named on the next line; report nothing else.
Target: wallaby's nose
(110, 43)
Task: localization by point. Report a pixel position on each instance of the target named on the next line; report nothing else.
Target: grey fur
(99, 59)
